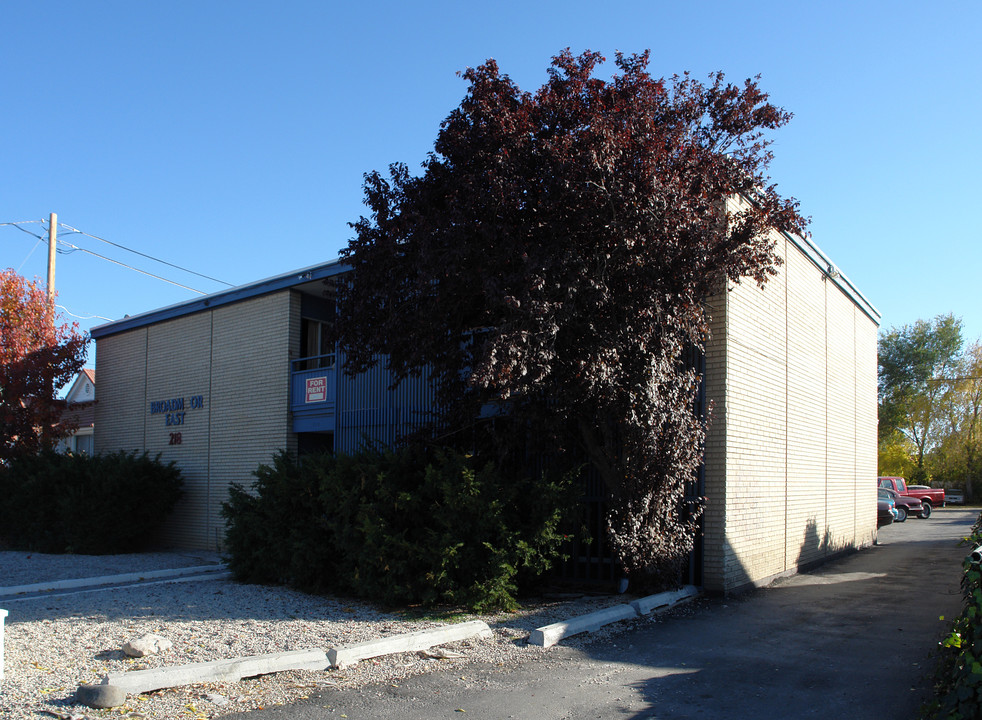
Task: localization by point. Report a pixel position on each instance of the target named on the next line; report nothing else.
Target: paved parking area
(852, 639)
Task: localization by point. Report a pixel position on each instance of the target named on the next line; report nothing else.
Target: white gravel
(59, 641)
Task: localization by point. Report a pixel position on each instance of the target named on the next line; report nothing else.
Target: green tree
(957, 459)
(554, 256)
(37, 357)
(895, 456)
(917, 364)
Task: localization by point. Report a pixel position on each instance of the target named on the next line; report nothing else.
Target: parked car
(905, 505)
(930, 497)
(955, 496)
(886, 511)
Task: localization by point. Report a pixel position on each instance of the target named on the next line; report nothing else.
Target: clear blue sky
(231, 137)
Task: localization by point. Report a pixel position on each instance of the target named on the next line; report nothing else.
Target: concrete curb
(141, 681)
(407, 642)
(549, 635)
(28, 597)
(665, 600)
(109, 580)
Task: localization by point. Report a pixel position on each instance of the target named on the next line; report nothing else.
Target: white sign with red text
(316, 389)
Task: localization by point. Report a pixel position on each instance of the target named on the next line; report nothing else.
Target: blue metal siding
(370, 412)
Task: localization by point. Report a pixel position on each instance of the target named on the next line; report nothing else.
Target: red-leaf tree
(36, 358)
(553, 257)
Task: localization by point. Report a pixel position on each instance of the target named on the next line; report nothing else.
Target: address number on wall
(175, 439)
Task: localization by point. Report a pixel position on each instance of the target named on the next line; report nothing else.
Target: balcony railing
(313, 393)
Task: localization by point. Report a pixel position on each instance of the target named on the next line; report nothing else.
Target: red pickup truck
(930, 497)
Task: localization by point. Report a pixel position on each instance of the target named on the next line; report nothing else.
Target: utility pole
(52, 244)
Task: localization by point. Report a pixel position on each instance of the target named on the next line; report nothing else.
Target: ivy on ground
(958, 675)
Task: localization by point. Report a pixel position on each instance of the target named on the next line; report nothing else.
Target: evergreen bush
(413, 526)
(94, 505)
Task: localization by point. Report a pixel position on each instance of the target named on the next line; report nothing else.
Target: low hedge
(958, 674)
(406, 527)
(93, 505)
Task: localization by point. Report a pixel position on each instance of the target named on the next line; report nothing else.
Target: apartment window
(315, 344)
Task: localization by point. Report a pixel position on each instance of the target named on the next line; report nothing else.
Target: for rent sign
(316, 389)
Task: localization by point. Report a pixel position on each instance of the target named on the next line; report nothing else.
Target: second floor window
(315, 344)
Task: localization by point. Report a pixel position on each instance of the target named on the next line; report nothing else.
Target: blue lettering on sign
(174, 412)
(176, 405)
(166, 406)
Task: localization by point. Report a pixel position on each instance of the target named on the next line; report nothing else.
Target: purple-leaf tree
(553, 257)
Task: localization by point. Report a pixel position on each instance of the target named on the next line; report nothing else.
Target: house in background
(220, 384)
(80, 408)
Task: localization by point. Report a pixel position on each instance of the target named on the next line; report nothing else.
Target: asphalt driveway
(852, 639)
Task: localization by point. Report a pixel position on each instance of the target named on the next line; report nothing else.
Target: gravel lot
(56, 642)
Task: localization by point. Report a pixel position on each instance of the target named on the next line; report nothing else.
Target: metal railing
(313, 382)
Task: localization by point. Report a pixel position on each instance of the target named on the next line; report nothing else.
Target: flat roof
(223, 297)
(336, 267)
(832, 272)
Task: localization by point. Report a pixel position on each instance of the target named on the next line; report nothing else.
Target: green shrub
(407, 527)
(958, 675)
(95, 505)
(273, 532)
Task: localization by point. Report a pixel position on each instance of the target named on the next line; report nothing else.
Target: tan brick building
(221, 384)
(791, 452)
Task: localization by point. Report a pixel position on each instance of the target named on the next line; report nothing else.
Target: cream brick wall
(866, 431)
(250, 418)
(236, 359)
(120, 415)
(791, 450)
(807, 414)
(715, 560)
(177, 367)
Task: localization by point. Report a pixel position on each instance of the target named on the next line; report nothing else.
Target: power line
(130, 267)
(25, 222)
(28, 256)
(72, 248)
(137, 252)
(84, 317)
